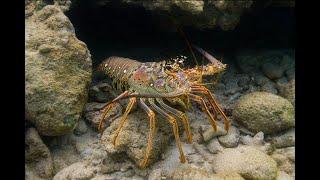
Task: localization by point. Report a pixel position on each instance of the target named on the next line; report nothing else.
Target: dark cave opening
(131, 31)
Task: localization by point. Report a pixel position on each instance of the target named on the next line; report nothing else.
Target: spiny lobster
(157, 84)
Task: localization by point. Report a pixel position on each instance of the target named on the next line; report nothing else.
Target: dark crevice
(131, 31)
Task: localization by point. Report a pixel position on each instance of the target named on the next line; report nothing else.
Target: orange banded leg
(175, 127)
(151, 115)
(214, 103)
(107, 108)
(132, 101)
(179, 114)
(200, 100)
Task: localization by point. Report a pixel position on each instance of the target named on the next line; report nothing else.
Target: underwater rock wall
(57, 72)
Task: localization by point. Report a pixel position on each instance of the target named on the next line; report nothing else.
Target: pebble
(231, 139)
(214, 146)
(272, 71)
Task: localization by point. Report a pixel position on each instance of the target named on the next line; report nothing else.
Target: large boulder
(57, 72)
(266, 112)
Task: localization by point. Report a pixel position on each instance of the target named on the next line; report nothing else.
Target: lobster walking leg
(132, 101)
(175, 127)
(200, 100)
(212, 100)
(151, 115)
(181, 115)
(107, 108)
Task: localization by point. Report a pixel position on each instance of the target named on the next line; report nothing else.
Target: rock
(231, 139)
(286, 139)
(57, 70)
(37, 155)
(246, 161)
(81, 128)
(63, 156)
(285, 159)
(290, 73)
(198, 13)
(270, 88)
(102, 92)
(64, 5)
(214, 146)
(33, 5)
(272, 71)
(257, 142)
(186, 172)
(261, 79)
(207, 132)
(284, 176)
(266, 112)
(93, 114)
(77, 170)
(288, 91)
(133, 137)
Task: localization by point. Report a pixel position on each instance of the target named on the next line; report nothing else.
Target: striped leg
(180, 114)
(200, 100)
(107, 108)
(151, 115)
(214, 103)
(132, 101)
(175, 127)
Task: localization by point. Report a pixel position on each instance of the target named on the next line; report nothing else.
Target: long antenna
(189, 45)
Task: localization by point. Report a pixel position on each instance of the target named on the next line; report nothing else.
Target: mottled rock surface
(134, 137)
(248, 162)
(198, 13)
(37, 156)
(57, 72)
(266, 112)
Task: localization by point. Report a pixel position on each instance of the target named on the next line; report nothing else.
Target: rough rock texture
(57, 72)
(37, 156)
(133, 138)
(285, 139)
(231, 139)
(64, 5)
(257, 141)
(248, 162)
(188, 172)
(266, 112)
(77, 170)
(198, 13)
(285, 159)
(288, 91)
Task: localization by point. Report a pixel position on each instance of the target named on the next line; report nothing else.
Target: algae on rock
(57, 72)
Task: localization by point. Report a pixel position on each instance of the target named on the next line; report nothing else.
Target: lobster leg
(180, 114)
(151, 115)
(212, 100)
(132, 101)
(175, 127)
(107, 108)
(200, 100)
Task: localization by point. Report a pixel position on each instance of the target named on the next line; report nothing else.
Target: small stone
(272, 71)
(77, 170)
(214, 146)
(207, 132)
(231, 139)
(284, 176)
(81, 128)
(287, 139)
(37, 155)
(290, 73)
(45, 48)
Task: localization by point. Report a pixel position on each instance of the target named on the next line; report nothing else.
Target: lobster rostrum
(156, 87)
